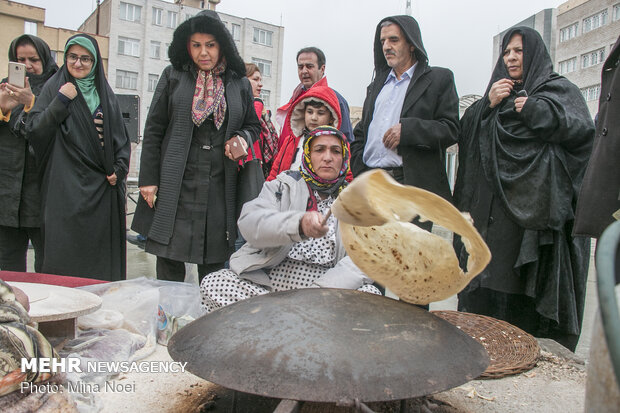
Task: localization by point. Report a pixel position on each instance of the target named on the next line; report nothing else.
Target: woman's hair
(250, 68)
(207, 22)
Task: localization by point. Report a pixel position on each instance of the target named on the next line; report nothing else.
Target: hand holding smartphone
(237, 149)
(17, 74)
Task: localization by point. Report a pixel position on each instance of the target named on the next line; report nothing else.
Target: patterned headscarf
(315, 182)
(209, 95)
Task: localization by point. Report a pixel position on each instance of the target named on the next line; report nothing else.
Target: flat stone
(54, 303)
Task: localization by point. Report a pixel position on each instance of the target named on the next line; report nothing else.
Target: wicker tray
(510, 349)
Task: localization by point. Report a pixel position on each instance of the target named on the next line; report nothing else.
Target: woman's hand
(149, 193)
(519, 103)
(112, 178)
(499, 91)
(7, 101)
(312, 225)
(69, 90)
(23, 96)
(230, 142)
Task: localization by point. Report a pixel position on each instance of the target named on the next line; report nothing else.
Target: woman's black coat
(83, 215)
(20, 201)
(528, 168)
(167, 137)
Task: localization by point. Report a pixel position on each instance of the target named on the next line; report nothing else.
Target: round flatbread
(375, 214)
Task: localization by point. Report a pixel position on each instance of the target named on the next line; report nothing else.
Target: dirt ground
(557, 383)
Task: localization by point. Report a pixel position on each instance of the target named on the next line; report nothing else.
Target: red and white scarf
(209, 96)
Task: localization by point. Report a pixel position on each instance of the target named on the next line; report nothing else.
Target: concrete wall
(543, 22)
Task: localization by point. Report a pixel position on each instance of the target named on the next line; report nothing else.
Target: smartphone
(237, 150)
(17, 74)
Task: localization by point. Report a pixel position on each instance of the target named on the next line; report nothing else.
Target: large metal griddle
(328, 345)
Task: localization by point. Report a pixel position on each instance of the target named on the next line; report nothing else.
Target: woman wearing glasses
(84, 165)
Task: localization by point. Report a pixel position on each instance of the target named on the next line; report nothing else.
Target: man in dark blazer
(598, 205)
(411, 112)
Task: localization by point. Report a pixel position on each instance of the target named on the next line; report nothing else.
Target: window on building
(591, 93)
(157, 16)
(262, 37)
(567, 66)
(263, 65)
(593, 58)
(126, 80)
(130, 12)
(166, 52)
(236, 31)
(153, 79)
(595, 21)
(615, 12)
(129, 47)
(155, 49)
(172, 19)
(30, 28)
(265, 97)
(568, 32)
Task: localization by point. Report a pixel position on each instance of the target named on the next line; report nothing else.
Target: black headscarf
(43, 50)
(533, 164)
(207, 21)
(537, 64)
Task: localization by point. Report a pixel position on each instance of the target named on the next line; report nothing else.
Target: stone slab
(54, 303)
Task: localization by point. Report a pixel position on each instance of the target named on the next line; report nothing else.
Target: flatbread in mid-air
(375, 214)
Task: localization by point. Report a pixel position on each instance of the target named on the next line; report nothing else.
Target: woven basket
(511, 350)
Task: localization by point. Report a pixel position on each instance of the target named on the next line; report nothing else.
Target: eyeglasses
(85, 60)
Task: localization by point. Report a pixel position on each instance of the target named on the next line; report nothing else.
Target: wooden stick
(326, 217)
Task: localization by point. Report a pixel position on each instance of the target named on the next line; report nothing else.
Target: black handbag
(251, 179)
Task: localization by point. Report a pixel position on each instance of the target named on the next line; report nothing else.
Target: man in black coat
(599, 199)
(410, 114)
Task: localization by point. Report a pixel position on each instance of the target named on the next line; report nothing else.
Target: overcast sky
(457, 34)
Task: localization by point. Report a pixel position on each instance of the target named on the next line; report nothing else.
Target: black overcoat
(429, 116)
(167, 137)
(20, 200)
(519, 175)
(600, 192)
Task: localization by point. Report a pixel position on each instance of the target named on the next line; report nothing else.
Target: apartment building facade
(587, 30)
(140, 33)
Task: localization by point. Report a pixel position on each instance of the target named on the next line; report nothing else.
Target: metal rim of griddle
(328, 345)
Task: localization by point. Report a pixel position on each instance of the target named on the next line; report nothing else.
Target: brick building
(17, 19)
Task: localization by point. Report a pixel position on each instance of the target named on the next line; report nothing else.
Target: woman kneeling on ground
(289, 245)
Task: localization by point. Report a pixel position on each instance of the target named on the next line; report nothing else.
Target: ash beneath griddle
(219, 399)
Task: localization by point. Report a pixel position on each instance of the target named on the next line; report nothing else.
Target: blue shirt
(388, 106)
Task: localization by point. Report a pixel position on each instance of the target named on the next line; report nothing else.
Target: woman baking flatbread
(289, 243)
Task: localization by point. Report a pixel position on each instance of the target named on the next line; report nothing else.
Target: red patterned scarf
(209, 96)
